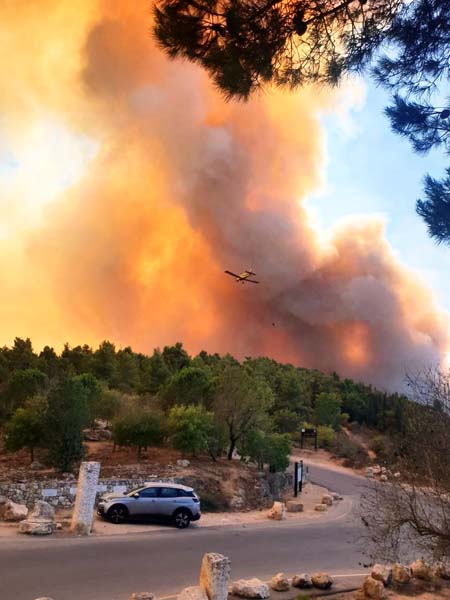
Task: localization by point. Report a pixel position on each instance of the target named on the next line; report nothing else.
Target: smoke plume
(174, 186)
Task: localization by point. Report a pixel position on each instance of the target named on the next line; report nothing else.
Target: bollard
(215, 576)
(83, 512)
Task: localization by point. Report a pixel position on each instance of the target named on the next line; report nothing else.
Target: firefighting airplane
(243, 277)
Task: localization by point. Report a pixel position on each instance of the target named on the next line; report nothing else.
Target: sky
(128, 185)
(372, 170)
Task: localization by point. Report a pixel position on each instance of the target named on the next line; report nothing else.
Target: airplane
(243, 277)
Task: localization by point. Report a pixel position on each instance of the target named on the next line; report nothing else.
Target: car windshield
(135, 491)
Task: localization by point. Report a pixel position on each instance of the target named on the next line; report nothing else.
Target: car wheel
(117, 514)
(182, 519)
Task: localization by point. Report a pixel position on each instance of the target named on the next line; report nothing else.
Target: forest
(204, 404)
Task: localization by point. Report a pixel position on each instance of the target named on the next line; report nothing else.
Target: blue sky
(372, 170)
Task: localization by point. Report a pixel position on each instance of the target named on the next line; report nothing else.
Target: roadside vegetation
(207, 405)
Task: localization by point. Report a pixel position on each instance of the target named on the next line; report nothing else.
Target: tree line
(206, 403)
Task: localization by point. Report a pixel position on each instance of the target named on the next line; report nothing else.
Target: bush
(139, 429)
(377, 444)
(190, 428)
(213, 502)
(271, 449)
(354, 454)
(26, 429)
(325, 436)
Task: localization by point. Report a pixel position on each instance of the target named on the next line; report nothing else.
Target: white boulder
(321, 507)
(278, 511)
(279, 583)
(373, 588)
(321, 580)
(294, 506)
(302, 581)
(250, 588)
(327, 499)
(183, 462)
(400, 573)
(421, 570)
(36, 527)
(14, 512)
(382, 573)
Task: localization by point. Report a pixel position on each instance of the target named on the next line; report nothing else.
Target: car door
(167, 501)
(146, 503)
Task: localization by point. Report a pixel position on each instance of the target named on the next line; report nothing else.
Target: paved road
(166, 561)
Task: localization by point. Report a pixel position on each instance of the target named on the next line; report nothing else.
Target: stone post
(83, 512)
(215, 576)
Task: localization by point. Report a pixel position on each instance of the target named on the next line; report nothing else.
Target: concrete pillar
(83, 512)
(215, 576)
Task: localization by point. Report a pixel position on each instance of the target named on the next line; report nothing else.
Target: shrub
(354, 454)
(263, 448)
(190, 428)
(139, 429)
(213, 502)
(377, 444)
(325, 436)
(26, 429)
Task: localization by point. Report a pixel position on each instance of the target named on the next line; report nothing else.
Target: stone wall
(61, 493)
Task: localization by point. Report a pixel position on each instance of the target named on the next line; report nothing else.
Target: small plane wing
(232, 274)
(251, 280)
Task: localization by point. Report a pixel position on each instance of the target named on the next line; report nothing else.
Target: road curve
(110, 568)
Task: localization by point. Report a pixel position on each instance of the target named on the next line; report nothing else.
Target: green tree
(77, 360)
(176, 357)
(328, 409)
(128, 375)
(156, 373)
(107, 405)
(191, 385)
(139, 429)
(93, 390)
(26, 429)
(67, 416)
(22, 385)
(49, 362)
(263, 448)
(105, 362)
(21, 355)
(190, 428)
(241, 403)
(244, 45)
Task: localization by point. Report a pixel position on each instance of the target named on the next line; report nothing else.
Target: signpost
(309, 433)
(298, 477)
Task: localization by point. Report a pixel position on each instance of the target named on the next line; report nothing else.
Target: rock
(383, 478)
(250, 588)
(277, 512)
(58, 526)
(373, 588)
(397, 475)
(327, 499)
(14, 512)
(100, 424)
(294, 506)
(42, 511)
(376, 469)
(279, 583)
(400, 573)
(321, 507)
(421, 570)
(183, 462)
(302, 581)
(442, 570)
(382, 573)
(193, 593)
(336, 497)
(369, 472)
(36, 527)
(321, 580)
(142, 596)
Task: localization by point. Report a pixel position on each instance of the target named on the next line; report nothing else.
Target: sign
(308, 433)
(298, 477)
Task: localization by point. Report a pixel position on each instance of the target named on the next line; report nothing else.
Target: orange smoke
(174, 185)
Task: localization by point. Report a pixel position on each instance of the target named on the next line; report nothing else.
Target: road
(165, 561)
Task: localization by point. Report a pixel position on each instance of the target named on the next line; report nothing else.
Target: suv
(168, 501)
